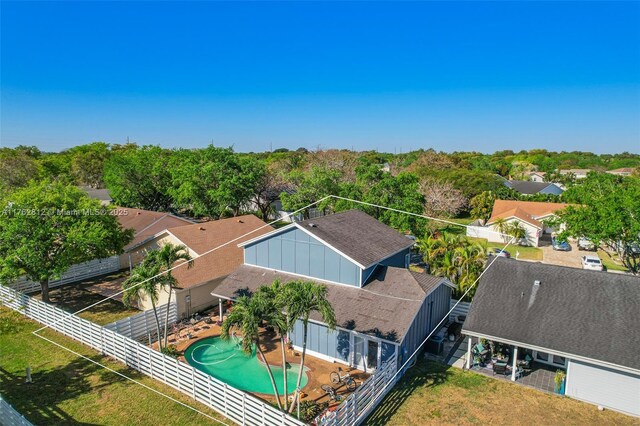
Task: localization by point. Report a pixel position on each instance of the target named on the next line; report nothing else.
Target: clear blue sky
(386, 76)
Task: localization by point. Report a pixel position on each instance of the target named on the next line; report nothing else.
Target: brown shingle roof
(386, 307)
(215, 233)
(357, 235)
(147, 223)
(528, 211)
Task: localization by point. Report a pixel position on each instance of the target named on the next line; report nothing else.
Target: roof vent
(240, 221)
(139, 213)
(202, 228)
(536, 282)
(313, 225)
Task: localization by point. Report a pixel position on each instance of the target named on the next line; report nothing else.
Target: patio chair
(501, 368)
(480, 354)
(333, 396)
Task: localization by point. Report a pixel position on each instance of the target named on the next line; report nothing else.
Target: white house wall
(603, 386)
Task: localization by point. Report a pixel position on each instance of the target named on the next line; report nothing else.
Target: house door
(359, 354)
(366, 353)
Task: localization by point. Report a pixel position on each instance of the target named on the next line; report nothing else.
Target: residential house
(578, 173)
(383, 310)
(537, 176)
(194, 285)
(147, 225)
(530, 188)
(101, 195)
(625, 171)
(531, 215)
(586, 323)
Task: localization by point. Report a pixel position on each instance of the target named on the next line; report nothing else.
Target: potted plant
(559, 380)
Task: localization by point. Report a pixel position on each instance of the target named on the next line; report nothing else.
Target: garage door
(602, 386)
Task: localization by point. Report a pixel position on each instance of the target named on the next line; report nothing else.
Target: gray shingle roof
(385, 307)
(528, 187)
(358, 235)
(591, 314)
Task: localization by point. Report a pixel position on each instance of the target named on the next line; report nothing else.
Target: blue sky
(387, 76)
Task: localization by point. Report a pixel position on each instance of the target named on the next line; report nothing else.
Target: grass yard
(68, 389)
(527, 253)
(434, 393)
(609, 263)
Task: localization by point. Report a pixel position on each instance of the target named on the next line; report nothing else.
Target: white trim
(157, 235)
(411, 243)
(267, 235)
(566, 355)
(296, 224)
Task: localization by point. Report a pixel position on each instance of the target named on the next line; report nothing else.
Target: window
(541, 356)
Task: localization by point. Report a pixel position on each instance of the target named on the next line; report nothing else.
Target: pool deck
(318, 370)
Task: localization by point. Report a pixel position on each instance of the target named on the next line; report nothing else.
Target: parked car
(560, 245)
(592, 262)
(500, 252)
(586, 244)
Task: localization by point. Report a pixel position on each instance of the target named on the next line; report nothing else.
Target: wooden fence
(10, 417)
(461, 309)
(78, 272)
(357, 406)
(140, 326)
(232, 403)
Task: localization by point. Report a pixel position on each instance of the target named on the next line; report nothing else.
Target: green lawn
(609, 263)
(527, 253)
(436, 394)
(68, 389)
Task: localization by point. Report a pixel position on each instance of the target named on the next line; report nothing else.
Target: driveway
(570, 258)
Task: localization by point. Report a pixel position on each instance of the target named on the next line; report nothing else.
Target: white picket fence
(10, 417)
(461, 309)
(357, 406)
(232, 403)
(78, 272)
(139, 326)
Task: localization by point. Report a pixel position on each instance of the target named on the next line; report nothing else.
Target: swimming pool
(225, 360)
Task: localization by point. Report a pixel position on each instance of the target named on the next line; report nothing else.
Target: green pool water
(225, 360)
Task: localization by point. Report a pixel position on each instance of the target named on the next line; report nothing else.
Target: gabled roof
(357, 235)
(146, 223)
(528, 211)
(588, 315)
(528, 187)
(203, 237)
(385, 308)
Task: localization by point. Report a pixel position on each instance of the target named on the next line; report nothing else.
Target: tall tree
(88, 162)
(482, 205)
(17, 168)
(606, 209)
(213, 182)
(47, 227)
(247, 315)
(303, 298)
(140, 178)
(144, 283)
(164, 259)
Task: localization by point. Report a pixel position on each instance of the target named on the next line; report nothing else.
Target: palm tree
(164, 259)
(144, 282)
(247, 315)
(517, 231)
(301, 299)
(502, 226)
(273, 306)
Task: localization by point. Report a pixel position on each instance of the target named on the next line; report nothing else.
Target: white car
(592, 262)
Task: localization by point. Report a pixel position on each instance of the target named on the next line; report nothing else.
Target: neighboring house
(625, 171)
(578, 173)
(584, 322)
(537, 176)
(101, 195)
(383, 310)
(194, 285)
(530, 214)
(147, 225)
(530, 188)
